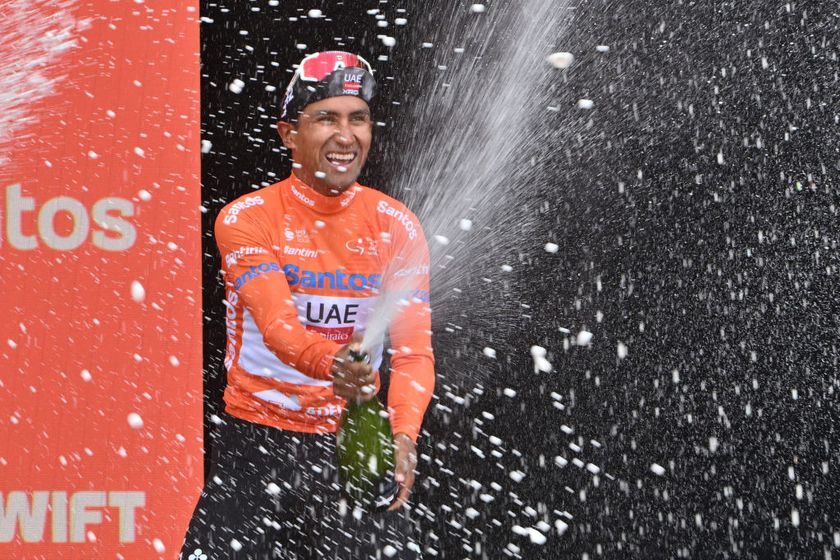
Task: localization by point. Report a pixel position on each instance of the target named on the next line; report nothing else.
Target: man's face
(330, 142)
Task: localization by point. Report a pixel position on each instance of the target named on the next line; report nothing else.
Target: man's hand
(405, 459)
(352, 380)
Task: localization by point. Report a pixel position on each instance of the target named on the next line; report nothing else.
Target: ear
(286, 134)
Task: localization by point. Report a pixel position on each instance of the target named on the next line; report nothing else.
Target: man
(306, 261)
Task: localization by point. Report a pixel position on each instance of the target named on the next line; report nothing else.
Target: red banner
(100, 246)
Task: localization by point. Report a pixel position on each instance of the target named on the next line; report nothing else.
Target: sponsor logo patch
(231, 258)
(233, 212)
(384, 208)
(255, 271)
(335, 280)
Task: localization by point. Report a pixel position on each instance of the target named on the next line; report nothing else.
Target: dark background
(722, 269)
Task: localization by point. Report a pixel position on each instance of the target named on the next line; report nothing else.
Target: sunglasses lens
(318, 66)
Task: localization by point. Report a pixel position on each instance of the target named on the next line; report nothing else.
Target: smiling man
(306, 261)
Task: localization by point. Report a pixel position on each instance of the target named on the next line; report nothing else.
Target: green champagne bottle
(365, 449)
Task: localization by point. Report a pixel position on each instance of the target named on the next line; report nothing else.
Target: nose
(343, 134)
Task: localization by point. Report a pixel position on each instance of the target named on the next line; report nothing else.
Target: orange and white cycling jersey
(304, 271)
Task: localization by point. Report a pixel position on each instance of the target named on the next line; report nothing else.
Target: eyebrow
(325, 113)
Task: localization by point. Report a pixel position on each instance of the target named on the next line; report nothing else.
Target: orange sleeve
(412, 360)
(252, 270)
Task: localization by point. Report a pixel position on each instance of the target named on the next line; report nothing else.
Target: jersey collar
(308, 197)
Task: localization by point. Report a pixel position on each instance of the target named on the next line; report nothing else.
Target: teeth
(341, 157)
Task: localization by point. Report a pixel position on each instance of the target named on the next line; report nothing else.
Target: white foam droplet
(86, 376)
(174, 362)
(602, 48)
(236, 86)
(535, 536)
(314, 13)
(144, 195)
(320, 174)
(206, 146)
(92, 155)
(560, 60)
(478, 8)
(507, 268)
(442, 239)
(585, 104)
(319, 224)
(561, 526)
(272, 489)
(489, 352)
(551, 247)
(301, 46)
(516, 476)
(389, 551)
(159, 547)
(135, 421)
(400, 21)
(621, 350)
(388, 41)
(465, 224)
(138, 293)
(583, 338)
(235, 545)
(509, 392)
(139, 151)
(657, 469)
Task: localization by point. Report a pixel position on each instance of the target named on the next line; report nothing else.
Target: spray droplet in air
(315, 13)
(478, 8)
(135, 421)
(159, 546)
(138, 293)
(489, 352)
(144, 195)
(621, 351)
(236, 86)
(560, 60)
(551, 247)
(657, 469)
(585, 104)
(465, 224)
(584, 338)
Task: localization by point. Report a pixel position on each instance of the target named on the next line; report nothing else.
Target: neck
(319, 185)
